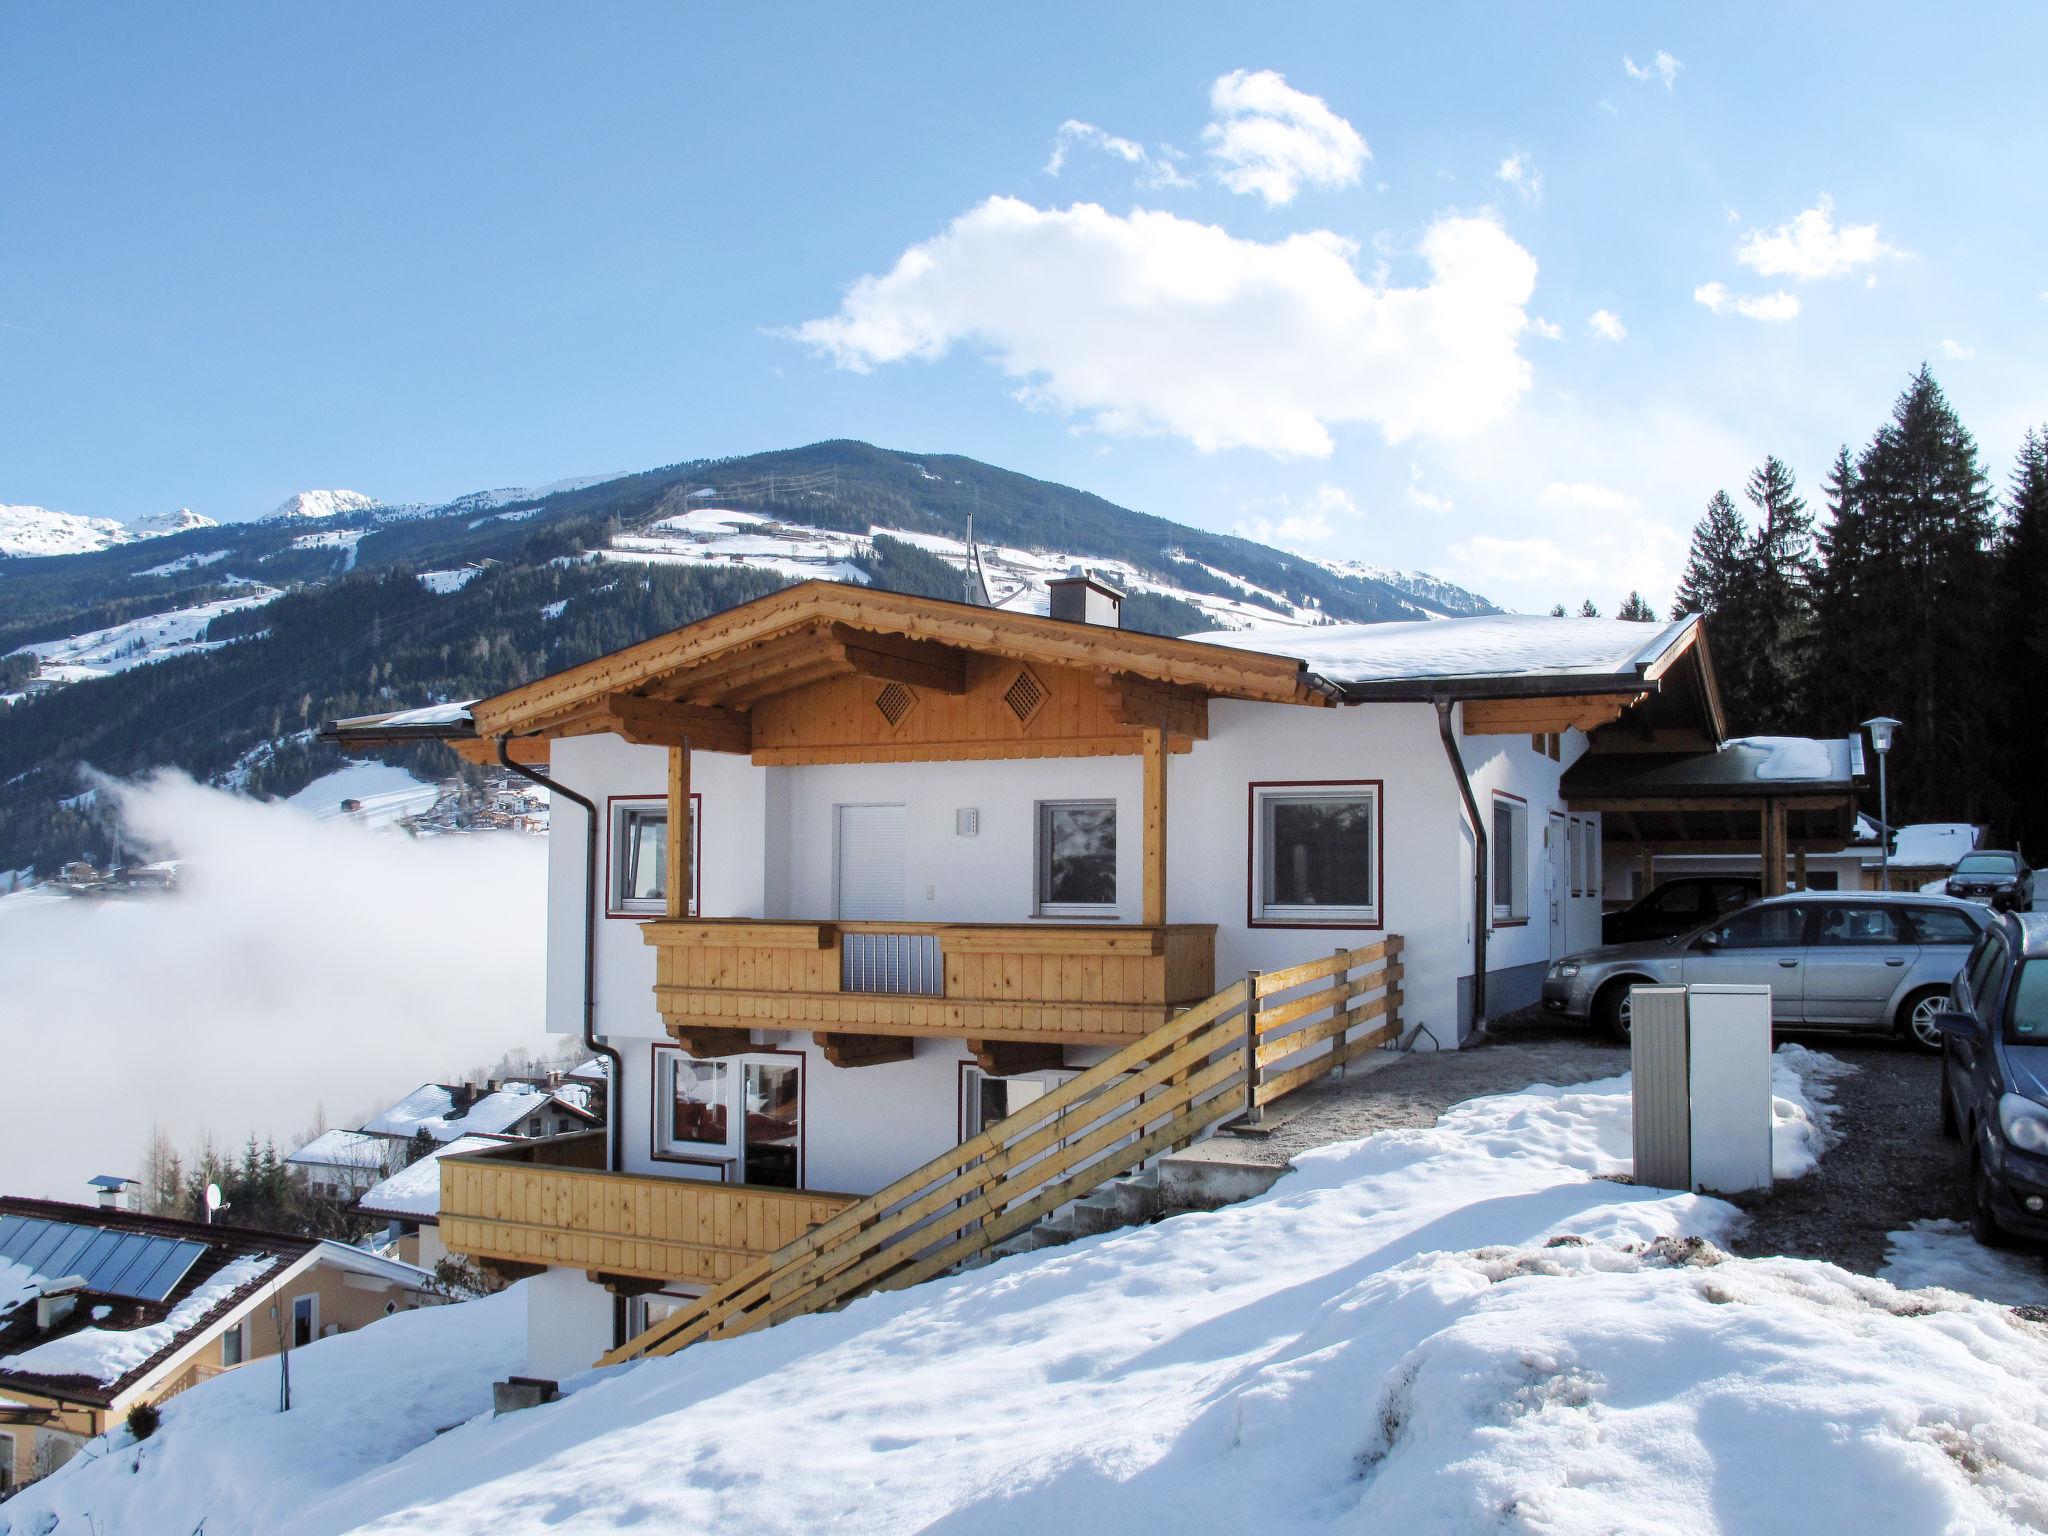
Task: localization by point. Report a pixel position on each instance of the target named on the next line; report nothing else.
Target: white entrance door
(870, 863)
(1557, 882)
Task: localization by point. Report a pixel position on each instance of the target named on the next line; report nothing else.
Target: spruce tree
(1774, 602)
(2022, 649)
(1636, 610)
(1587, 610)
(1714, 567)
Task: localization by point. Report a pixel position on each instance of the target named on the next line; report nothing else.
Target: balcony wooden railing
(1063, 983)
(550, 1202)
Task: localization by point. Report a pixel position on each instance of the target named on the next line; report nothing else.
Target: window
(744, 1114)
(1943, 925)
(1077, 857)
(1510, 854)
(6, 1464)
(1773, 927)
(639, 857)
(1848, 926)
(305, 1320)
(1315, 854)
(2029, 1019)
(1678, 900)
(231, 1346)
(1987, 974)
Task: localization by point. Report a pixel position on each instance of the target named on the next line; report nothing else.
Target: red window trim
(1251, 853)
(696, 817)
(725, 1165)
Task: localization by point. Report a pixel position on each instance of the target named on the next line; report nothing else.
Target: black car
(1679, 906)
(1994, 1076)
(1993, 875)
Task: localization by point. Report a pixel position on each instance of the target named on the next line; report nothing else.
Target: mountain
(324, 504)
(217, 647)
(156, 524)
(31, 532)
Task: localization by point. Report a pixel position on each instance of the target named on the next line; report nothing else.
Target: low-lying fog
(301, 968)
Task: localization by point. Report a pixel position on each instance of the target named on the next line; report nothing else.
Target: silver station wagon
(1869, 960)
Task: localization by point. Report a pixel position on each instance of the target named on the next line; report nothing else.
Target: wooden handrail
(1154, 1094)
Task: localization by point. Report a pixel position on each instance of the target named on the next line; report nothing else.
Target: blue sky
(1279, 280)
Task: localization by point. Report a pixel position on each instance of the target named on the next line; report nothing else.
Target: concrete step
(1099, 1212)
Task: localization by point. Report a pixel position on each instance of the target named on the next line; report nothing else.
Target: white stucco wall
(568, 1324)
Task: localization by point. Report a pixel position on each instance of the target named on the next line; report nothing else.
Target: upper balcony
(1045, 983)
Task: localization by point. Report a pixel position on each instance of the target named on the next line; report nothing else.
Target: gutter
(1479, 901)
(614, 1155)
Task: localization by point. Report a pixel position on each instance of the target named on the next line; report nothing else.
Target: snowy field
(382, 794)
(1470, 1328)
(139, 642)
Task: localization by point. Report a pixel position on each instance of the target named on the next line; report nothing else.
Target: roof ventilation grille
(1025, 696)
(894, 702)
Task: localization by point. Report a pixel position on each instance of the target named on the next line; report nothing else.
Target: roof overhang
(1711, 800)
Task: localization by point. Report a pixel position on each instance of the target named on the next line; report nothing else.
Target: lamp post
(1881, 728)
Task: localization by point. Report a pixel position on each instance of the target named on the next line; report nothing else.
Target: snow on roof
(433, 714)
(1934, 844)
(431, 1108)
(18, 1284)
(1491, 645)
(343, 1149)
(360, 1262)
(594, 1070)
(108, 1354)
(1786, 757)
(415, 1190)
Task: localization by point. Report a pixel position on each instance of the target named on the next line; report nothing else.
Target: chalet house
(449, 1111)
(904, 923)
(410, 1200)
(102, 1309)
(342, 1164)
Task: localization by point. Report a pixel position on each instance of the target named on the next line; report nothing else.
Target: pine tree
(2022, 649)
(1713, 569)
(1557, 611)
(1587, 610)
(1636, 610)
(1773, 604)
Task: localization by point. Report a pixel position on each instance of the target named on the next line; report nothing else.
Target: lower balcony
(550, 1203)
(1052, 983)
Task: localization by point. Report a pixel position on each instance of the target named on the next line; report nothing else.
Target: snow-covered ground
(138, 642)
(383, 793)
(443, 582)
(33, 531)
(1461, 1329)
(1017, 577)
(1939, 1252)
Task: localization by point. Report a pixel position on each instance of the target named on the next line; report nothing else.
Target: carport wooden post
(1799, 866)
(1649, 870)
(1157, 750)
(1774, 848)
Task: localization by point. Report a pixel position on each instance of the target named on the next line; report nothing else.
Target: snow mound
(324, 504)
(1942, 1253)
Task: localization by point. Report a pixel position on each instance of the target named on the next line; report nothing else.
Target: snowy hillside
(138, 642)
(31, 531)
(324, 504)
(1469, 1328)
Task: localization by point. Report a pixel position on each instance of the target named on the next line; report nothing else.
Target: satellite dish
(213, 1200)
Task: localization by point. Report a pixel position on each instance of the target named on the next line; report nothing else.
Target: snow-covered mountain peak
(156, 524)
(324, 504)
(28, 530)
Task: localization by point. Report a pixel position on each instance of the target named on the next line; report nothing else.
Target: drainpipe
(614, 1158)
(1480, 911)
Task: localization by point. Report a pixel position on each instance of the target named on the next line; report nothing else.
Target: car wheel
(1614, 1010)
(1983, 1219)
(1951, 1127)
(1916, 1018)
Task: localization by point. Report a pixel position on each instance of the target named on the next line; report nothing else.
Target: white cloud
(1151, 324)
(1423, 497)
(1517, 170)
(1955, 351)
(1271, 139)
(1661, 67)
(1586, 496)
(1606, 325)
(1548, 330)
(1155, 169)
(1289, 520)
(1629, 554)
(1811, 245)
(1772, 308)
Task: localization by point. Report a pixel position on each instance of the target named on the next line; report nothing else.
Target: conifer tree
(1587, 610)
(2022, 647)
(1773, 603)
(1636, 610)
(1713, 569)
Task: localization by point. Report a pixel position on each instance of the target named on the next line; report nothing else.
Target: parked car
(1870, 960)
(1995, 876)
(1679, 906)
(1994, 1076)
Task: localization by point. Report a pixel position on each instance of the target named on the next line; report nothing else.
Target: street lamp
(1881, 728)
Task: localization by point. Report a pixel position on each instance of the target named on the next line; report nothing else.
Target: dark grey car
(1864, 960)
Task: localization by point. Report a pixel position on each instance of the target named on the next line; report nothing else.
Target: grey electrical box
(1661, 1086)
(1701, 1087)
(966, 821)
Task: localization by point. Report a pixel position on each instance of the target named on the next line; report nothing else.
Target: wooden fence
(1229, 1055)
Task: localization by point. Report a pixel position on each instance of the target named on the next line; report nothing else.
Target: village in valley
(1431, 923)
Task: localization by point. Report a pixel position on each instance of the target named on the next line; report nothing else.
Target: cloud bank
(1154, 324)
(302, 966)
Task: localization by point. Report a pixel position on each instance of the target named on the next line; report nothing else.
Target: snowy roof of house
(358, 1261)
(595, 1070)
(414, 1192)
(431, 1108)
(1745, 766)
(112, 1340)
(1518, 648)
(1931, 844)
(343, 1149)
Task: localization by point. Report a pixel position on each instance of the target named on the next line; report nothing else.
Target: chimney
(1081, 598)
(58, 1301)
(113, 1190)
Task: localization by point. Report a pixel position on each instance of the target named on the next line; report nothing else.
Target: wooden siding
(519, 1206)
(1070, 984)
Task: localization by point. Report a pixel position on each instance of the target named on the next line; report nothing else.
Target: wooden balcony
(1049, 983)
(550, 1203)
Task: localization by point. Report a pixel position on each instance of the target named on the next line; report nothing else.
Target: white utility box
(1701, 1075)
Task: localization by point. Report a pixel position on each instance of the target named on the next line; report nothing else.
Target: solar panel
(113, 1263)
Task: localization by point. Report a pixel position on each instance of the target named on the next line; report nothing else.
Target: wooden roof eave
(579, 692)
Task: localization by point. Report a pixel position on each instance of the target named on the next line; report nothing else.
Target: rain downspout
(1480, 912)
(616, 1087)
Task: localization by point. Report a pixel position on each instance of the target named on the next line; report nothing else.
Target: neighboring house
(411, 1201)
(342, 1164)
(449, 1111)
(876, 873)
(1923, 853)
(102, 1309)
